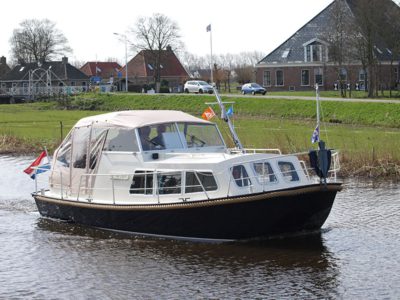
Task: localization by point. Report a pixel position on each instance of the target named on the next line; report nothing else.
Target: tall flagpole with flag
(315, 135)
(211, 55)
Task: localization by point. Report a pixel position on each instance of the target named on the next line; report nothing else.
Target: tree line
(351, 40)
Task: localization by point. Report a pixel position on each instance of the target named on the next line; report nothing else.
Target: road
(397, 101)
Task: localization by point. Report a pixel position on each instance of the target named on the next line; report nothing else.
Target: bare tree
(155, 34)
(38, 40)
(343, 44)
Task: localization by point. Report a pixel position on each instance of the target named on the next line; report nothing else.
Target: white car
(197, 86)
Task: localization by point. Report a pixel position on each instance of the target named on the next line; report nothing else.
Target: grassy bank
(367, 134)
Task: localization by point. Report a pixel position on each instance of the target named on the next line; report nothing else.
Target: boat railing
(255, 150)
(266, 179)
(86, 192)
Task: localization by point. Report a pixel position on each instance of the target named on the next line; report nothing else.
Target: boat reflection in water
(169, 174)
(299, 264)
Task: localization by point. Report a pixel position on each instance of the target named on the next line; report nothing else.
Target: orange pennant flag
(208, 114)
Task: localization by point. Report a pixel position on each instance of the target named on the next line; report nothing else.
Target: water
(356, 255)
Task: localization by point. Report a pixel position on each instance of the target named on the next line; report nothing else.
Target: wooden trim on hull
(183, 205)
(244, 217)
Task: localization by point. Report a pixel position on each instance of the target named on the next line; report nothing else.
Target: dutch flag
(40, 165)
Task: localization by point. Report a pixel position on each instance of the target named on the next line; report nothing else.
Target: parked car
(253, 88)
(197, 86)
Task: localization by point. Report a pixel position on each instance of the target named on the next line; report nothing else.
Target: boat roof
(138, 118)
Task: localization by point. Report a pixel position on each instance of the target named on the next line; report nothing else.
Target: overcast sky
(237, 26)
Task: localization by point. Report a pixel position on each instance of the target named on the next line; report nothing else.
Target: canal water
(355, 256)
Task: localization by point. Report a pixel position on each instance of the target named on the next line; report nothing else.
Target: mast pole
(226, 118)
(317, 99)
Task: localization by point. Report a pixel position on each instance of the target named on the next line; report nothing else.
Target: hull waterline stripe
(333, 187)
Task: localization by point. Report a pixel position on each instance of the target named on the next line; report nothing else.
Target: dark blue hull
(245, 217)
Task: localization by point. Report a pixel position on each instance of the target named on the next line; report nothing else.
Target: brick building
(305, 58)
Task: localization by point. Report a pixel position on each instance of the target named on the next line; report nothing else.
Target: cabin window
(121, 140)
(240, 176)
(142, 183)
(169, 183)
(200, 135)
(79, 152)
(264, 172)
(64, 153)
(98, 137)
(193, 185)
(288, 171)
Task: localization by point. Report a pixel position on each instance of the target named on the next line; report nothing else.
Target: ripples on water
(355, 256)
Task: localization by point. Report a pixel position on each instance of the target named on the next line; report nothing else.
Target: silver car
(197, 86)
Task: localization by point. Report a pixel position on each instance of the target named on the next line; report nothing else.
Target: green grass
(371, 114)
(365, 133)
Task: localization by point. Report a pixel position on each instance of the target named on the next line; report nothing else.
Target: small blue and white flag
(229, 112)
(315, 135)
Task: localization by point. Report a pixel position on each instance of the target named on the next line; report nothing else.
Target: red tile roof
(142, 65)
(104, 69)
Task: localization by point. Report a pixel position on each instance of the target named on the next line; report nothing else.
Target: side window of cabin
(240, 176)
(121, 140)
(193, 185)
(288, 171)
(64, 153)
(142, 183)
(264, 172)
(80, 140)
(169, 183)
(98, 137)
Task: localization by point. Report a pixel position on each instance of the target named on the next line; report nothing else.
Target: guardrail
(85, 191)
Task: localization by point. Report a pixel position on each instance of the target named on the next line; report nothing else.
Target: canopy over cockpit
(129, 131)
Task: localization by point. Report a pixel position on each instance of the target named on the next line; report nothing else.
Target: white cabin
(150, 157)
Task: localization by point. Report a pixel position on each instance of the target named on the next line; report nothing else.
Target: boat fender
(320, 160)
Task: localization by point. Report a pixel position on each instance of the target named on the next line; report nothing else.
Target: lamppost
(126, 58)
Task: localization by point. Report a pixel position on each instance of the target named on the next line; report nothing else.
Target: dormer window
(315, 50)
(285, 53)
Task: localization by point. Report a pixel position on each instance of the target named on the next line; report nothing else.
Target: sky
(237, 26)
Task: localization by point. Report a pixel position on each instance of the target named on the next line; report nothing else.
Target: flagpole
(211, 56)
(317, 99)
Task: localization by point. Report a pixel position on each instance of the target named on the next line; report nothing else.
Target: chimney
(65, 60)
(3, 60)
(169, 48)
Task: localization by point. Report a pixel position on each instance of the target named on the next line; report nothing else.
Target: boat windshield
(179, 136)
(200, 135)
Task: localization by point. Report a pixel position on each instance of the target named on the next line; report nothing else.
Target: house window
(343, 74)
(318, 75)
(361, 75)
(267, 78)
(315, 52)
(305, 77)
(279, 78)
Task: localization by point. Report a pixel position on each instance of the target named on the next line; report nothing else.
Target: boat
(169, 174)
